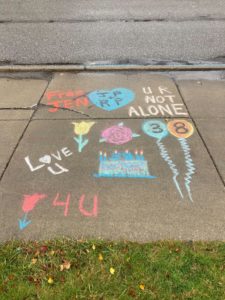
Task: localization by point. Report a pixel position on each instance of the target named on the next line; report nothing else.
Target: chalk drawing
(164, 110)
(118, 135)
(29, 203)
(183, 129)
(123, 165)
(55, 95)
(46, 160)
(158, 101)
(61, 203)
(81, 129)
(66, 99)
(93, 212)
(180, 128)
(110, 100)
(158, 130)
(85, 206)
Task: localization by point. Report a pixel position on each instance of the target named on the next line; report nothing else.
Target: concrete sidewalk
(118, 155)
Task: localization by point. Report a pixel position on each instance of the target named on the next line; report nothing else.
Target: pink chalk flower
(118, 135)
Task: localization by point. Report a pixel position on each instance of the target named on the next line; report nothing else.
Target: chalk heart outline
(46, 159)
(126, 96)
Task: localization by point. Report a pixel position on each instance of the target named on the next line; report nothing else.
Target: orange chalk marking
(180, 128)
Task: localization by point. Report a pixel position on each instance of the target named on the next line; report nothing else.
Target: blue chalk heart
(111, 99)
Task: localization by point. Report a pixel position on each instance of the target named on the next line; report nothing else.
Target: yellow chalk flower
(112, 271)
(83, 127)
(142, 287)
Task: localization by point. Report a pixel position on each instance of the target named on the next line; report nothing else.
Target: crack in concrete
(63, 109)
(22, 135)
(114, 20)
(36, 107)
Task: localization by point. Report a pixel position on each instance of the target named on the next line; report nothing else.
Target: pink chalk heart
(46, 159)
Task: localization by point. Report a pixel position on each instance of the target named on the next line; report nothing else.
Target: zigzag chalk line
(189, 164)
(164, 154)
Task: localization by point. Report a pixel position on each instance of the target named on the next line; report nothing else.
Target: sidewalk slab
(10, 133)
(20, 93)
(204, 98)
(114, 95)
(212, 131)
(205, 101)
(111, 189)
(13, 114)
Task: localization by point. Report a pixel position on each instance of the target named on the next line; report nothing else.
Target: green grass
(167, 270)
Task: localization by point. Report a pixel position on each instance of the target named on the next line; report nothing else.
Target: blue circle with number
(155, 128)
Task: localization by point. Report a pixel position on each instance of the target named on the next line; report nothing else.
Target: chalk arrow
(23, 223)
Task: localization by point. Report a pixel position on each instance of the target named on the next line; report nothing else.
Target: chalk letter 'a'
(27, 160)
(132, 111)
(86, 213)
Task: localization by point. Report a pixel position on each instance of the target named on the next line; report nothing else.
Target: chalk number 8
(180, 128)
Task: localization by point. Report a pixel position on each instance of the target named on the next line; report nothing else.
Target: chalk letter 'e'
(178, 107)
(27, 160)
(66, 152)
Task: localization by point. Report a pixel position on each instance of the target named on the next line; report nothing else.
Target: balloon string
(189, 164)
(164, 154)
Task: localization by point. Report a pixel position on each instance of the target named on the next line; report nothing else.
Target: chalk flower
(118, 135)
(83, 127)
(112, 271)
(142, 286)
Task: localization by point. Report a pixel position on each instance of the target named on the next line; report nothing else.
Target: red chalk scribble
(82, 101)
(30, 201)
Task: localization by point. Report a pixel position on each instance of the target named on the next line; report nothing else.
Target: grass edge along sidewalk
(69, 269)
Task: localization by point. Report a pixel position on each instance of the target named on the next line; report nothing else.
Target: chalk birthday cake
(123, 165)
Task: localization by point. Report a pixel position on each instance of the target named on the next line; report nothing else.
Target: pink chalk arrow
(30, 201)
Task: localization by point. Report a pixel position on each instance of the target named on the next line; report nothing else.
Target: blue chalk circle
(155, 128)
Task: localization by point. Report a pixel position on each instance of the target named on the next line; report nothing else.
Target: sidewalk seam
(200, 135)
(22, 135)
(88, 66)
